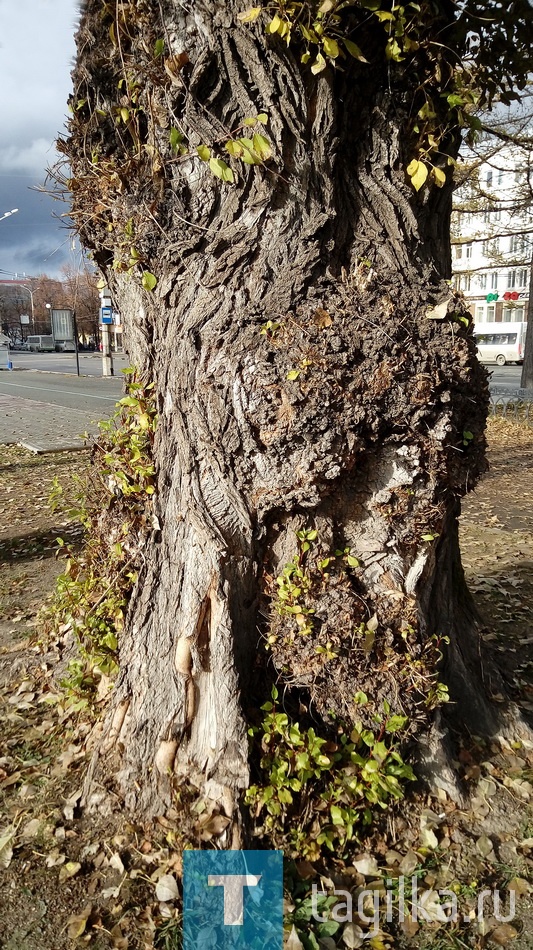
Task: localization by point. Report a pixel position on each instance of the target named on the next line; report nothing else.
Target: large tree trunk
(372, 443)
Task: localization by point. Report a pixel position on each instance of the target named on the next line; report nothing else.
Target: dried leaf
(76, 925)
(293, 941)
(504, 934)
(6, 850)
(484, 846)
(366, 864)
(68, 870)
(352, 936)
(166, 888)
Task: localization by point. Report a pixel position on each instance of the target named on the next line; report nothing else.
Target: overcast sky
(36, 57)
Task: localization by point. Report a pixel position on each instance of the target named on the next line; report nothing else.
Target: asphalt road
(504, 377)
(97, 395)
(90, 363)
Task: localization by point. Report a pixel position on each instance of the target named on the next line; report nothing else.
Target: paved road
(49, 412)
(505, 377)
(90, 393)
(90, 363)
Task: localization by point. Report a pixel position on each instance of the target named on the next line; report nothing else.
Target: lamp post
(7, 214)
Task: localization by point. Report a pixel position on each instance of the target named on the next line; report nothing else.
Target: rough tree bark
(367, 444)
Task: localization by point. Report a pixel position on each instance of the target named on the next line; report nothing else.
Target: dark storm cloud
(36, 53)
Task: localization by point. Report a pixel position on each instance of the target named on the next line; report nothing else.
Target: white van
(41, 344)
(500, 343)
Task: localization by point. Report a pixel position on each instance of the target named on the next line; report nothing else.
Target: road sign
(106, 315)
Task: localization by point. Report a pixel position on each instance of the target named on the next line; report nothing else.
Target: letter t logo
(233, 885)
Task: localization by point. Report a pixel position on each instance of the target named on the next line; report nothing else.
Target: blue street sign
(106, 315)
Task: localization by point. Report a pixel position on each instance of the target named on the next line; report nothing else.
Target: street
(90, 363)
(504, 377)
(97, 395)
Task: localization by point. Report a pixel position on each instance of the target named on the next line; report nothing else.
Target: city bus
(500, 343)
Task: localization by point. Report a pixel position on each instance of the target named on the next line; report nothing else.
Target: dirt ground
(69, 879)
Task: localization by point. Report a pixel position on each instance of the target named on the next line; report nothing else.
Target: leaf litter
(69, 879)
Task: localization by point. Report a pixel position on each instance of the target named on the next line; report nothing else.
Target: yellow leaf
(418, 173)
(319, 64)
(274, 24)
(331, 47)
(438, 176)
(249, 15)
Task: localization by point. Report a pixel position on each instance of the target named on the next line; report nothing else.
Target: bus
(500, 343)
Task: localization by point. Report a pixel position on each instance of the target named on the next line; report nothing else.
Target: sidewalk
(42, 427)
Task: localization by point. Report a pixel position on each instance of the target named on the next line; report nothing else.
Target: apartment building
(492, 238)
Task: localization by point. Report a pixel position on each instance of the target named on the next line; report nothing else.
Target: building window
(468, 249)
(517, 244)
(519, 314)
(491, 312)
(486, 216)
(494, 280)
(485, 248)
(482, 281)
(458, 251)
(500, 177)
(517, 278)
(480, 313)
(497, 216)
(466, 282)
(488, 178)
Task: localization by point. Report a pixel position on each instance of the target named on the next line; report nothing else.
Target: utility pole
(526, 381)
(106, 319)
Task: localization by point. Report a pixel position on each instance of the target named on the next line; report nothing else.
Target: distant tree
(268, 194)
(81, 293)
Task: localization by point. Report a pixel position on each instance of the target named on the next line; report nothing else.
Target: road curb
(39, 449)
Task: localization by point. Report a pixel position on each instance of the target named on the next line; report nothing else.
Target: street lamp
(8, 214)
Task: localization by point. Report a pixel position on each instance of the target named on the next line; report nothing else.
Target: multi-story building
(492, 237)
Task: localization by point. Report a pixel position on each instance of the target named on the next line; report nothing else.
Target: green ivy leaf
(175, 138)
(262, 147)
(149, 281)
(221, 170)
(204, 153)
(395, 723)
(353, 50)
(331, 47)
(159, 48)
